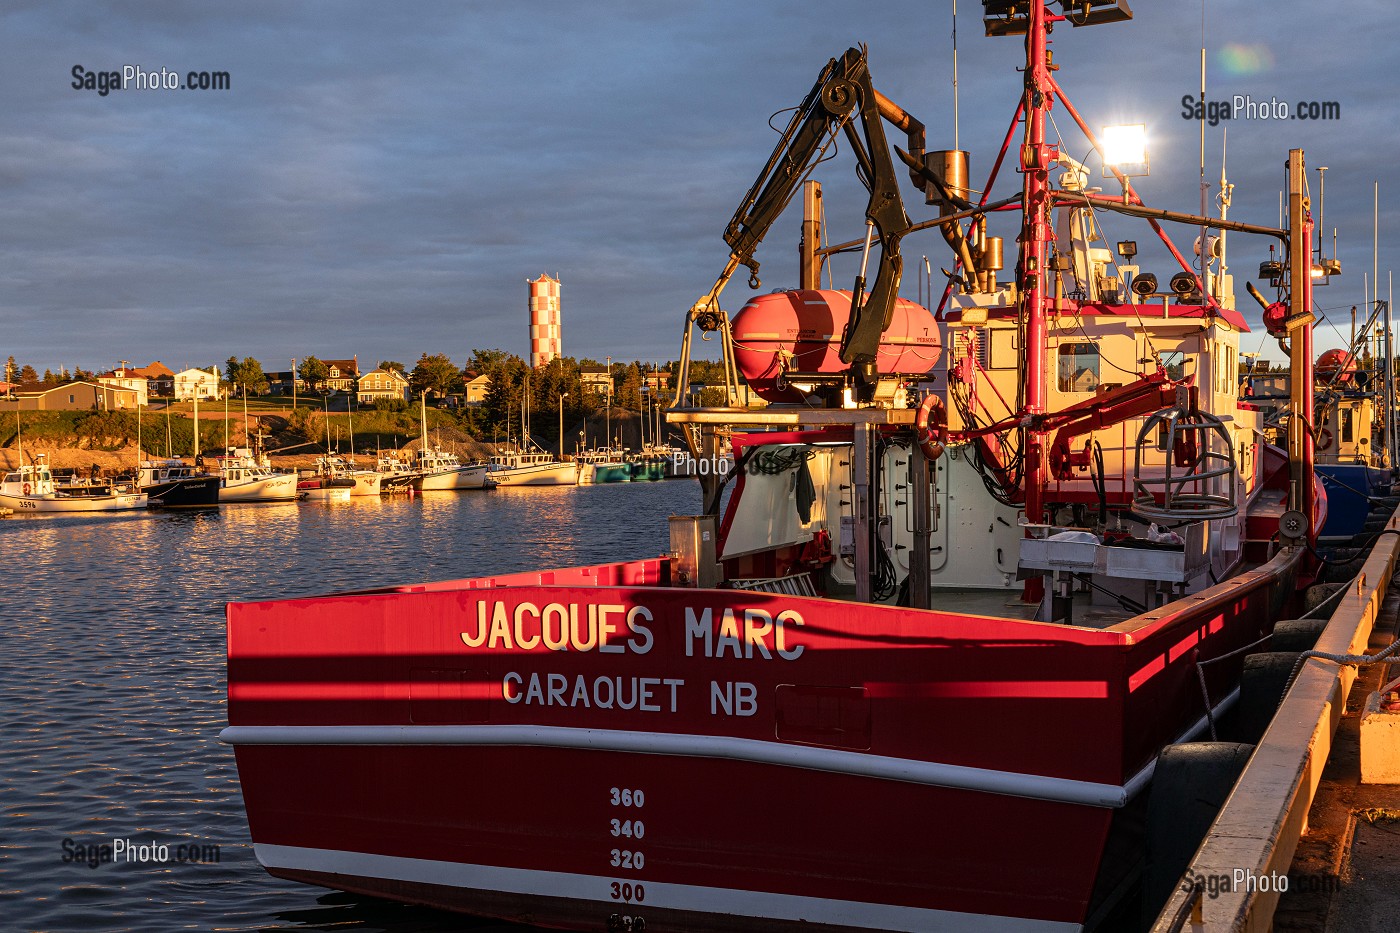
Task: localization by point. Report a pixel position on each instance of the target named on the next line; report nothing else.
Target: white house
(124, 377)
(190, 383)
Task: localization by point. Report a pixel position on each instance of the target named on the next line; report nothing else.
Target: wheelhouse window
(1079, 367)
(1174, 363)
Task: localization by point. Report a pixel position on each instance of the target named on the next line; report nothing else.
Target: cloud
(381, 179)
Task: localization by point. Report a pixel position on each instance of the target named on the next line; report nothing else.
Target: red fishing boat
(914, 672)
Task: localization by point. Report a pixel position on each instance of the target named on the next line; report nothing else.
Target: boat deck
(1006, 604)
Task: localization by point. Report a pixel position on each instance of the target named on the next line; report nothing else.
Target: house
(124, 377)
(382, 384)
(342, 375)
(196, 383)
(476, 387)
(160, 380)
(74, 396)
(657, 380)
(596, 378)
(285, 382)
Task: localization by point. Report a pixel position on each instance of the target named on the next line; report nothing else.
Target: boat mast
(1299, 323)
(196, 422)
(1035, 237)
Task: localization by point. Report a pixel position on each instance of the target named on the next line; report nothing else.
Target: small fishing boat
(174, 484)
(250, 479)
(395, 475)
(326, 488)
(363, 482)
(532, 468)
(437, 469)
(31, 489)
(603, 465)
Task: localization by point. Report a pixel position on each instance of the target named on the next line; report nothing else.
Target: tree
(27, 374)
(629, 395)
(392, 365)
(436, 374)
(49, 377)
(483, 361)
(313, 372)
(245, 376)
(11, 370)
(503, 396)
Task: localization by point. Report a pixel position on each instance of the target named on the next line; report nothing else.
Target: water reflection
(112, 681)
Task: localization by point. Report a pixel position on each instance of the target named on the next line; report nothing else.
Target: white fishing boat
(437, 469)
(31, 488)
(250, 479)
(366, 482)
(517, 468)
(395, 475)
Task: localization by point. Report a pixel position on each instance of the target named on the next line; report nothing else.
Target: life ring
(1324, 439)
(27, 487)
(931, 427)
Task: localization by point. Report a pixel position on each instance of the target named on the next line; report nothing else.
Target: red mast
(1036, 158)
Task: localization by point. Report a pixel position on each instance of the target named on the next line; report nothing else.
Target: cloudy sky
(381, 179)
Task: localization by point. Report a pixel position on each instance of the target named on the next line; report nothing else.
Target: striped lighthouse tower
(546, 339)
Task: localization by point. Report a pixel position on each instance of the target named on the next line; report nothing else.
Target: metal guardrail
(1258, 829)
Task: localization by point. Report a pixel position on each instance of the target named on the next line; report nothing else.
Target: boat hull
(471, 477)
(590, 474)
(801, 761)
(328, 493)
(119, 502)
(279, 488)
(188, 492)
(544, 474)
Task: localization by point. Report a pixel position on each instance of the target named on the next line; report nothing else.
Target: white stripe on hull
(659, 895)
(912, 771)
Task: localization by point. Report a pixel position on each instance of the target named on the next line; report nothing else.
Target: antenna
(1205, 186)
(955, 77)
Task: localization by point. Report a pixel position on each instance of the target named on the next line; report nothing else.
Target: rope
(1201, 676)
(1343, 659)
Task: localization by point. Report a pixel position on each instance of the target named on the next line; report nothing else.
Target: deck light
(1125, 148)
(1124, 151)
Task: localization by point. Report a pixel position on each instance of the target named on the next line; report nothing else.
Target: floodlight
(1124, 147)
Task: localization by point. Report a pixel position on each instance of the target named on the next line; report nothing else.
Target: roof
(388, 372)
(39, 388)
(1146, 312)
(156, 370)
(345, 366)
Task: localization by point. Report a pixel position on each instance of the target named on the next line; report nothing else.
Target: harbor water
(112, 686)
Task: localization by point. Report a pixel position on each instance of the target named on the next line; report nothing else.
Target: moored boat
(966, 586)
(30, 489)
(361, 482)
(249, 479)
(395, 475)
(438, 469)
(532, 468)
(604, 465)
(174, 484)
